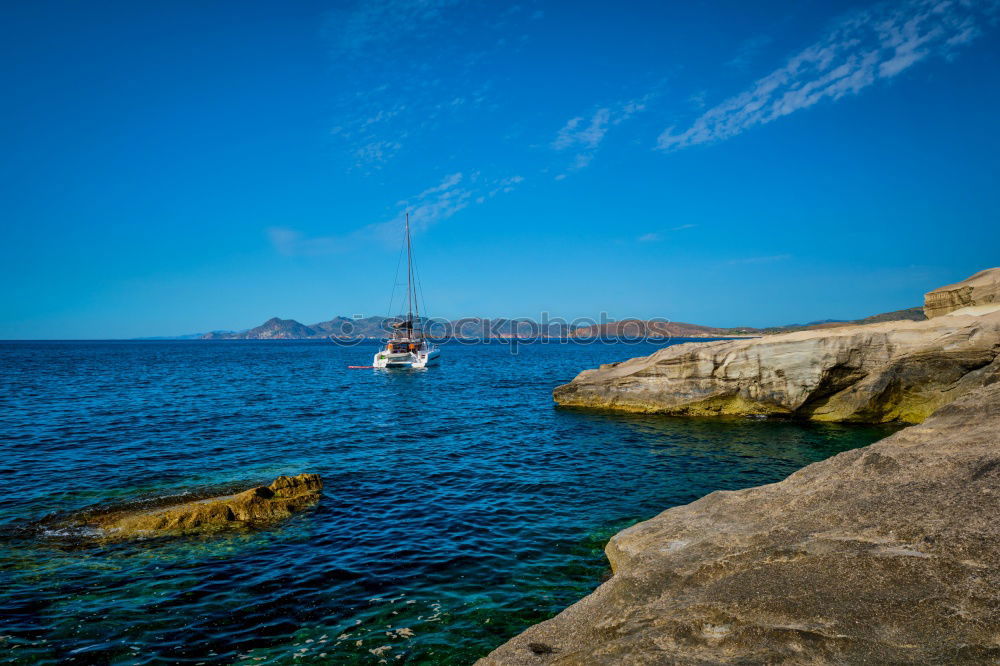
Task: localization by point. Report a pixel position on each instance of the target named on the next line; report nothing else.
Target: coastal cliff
(979, 293)
(885, 554)
(892, 371)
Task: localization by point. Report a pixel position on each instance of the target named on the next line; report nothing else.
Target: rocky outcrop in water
(975, 295)
(896, 371)
(889, 554)
(285, 496)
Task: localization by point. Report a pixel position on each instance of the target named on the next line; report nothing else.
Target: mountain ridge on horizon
(374, 327)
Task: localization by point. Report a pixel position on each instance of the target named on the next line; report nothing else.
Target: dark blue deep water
(460, 506)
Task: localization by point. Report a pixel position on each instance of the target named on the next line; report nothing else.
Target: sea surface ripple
(459, 505)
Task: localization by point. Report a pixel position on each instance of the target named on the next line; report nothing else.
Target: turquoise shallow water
(460, 506)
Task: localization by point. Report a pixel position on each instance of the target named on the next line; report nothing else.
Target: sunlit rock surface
(285, 496)
(888, 554)
(975, 295)
(893, 371)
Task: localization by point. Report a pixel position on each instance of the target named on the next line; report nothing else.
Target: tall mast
(409, 275)
(412, 304)
(416, 301)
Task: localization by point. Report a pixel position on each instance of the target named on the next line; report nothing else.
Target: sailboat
(407, 346)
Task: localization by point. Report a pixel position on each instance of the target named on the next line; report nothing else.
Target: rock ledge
(894, 371)
(285, 496)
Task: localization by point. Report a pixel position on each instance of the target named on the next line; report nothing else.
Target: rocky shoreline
(894, 371)
(867, 374)
(885, 554)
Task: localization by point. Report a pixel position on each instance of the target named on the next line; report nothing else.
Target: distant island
(376, 328)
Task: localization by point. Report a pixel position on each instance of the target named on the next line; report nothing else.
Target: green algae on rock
(263, 504)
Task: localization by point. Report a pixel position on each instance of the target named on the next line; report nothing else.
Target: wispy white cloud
(432, 205)
(453, 194)
(291, 243)
(697, 99)
(871, 45)
(584, 135)
(439, 202)
(655, 236)
(376, 152)
(384, 68)
(356, 32)
(749, 50)
(375, 37)
(504, 185)
(577, 132)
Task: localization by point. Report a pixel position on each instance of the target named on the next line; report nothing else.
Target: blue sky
(180, 167)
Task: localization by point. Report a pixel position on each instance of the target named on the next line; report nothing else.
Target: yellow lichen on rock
(730, 405)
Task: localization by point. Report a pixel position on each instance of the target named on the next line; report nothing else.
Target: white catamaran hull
(418, 359)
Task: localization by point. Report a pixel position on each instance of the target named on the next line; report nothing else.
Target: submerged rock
(894, 371)
(885, 554)
(285, 496)
(975, 295)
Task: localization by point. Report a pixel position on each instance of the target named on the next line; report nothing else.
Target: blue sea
(460, 506)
